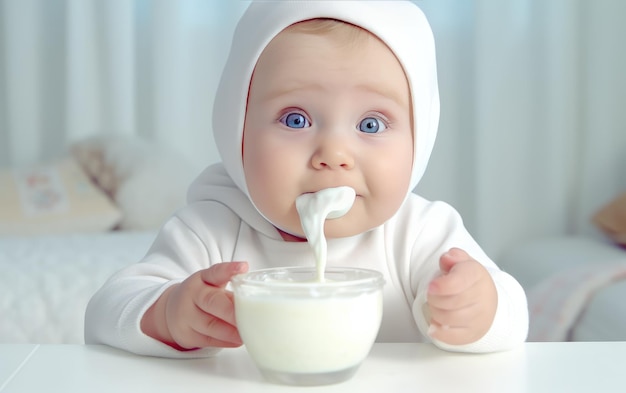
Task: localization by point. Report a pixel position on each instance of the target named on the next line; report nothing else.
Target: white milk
(306, 336)
(314, 209)
(316, 331)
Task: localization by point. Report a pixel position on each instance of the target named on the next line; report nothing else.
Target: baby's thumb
(451, 258)
(220, 274)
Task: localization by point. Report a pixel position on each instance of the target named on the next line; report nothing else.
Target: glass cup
(299, 331)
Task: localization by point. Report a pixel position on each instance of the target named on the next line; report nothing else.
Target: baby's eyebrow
(291, 88)
(379, 89)
(383, 91)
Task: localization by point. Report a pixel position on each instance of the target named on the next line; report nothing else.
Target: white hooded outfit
(221, 224)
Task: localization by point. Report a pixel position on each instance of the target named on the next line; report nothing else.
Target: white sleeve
(443, 228)
(114, 313)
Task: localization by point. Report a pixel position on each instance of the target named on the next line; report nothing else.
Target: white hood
(401, 25)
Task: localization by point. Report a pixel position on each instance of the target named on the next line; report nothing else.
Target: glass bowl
(299, 331)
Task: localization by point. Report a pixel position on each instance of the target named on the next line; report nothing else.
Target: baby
(317, 94)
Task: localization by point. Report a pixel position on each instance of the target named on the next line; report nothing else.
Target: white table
(390, 368)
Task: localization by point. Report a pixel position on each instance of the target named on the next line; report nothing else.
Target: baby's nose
(333, 153)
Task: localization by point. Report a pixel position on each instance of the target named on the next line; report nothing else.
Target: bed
(576, 286)
(47, 280)
(68, 224)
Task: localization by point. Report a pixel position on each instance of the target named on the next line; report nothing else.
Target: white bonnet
(401, 25)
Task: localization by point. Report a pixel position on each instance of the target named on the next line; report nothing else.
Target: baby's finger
(459, 317)
(452, 335)
(194, 339)
(462, 276)
(450, 303)
(216, 302)
(215, 330)
(220, 274)
(451, 258)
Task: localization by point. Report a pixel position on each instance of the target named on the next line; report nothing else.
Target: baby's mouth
(332, 202)
(329, 187)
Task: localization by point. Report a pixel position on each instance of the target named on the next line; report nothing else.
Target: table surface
(533, 367)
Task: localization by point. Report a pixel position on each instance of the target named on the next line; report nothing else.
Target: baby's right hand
(199, 312)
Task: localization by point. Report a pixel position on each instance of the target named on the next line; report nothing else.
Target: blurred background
(532, 134)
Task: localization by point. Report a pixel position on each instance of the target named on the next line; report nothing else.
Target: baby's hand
(199, 312)
(462, 301)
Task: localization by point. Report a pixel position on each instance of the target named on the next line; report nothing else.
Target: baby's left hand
(462, 301)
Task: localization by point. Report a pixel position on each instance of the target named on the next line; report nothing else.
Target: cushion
(53, 199)
(147, 181)
(611, 219)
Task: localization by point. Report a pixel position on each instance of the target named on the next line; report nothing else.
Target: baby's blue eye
(295, 120)
(372, 125)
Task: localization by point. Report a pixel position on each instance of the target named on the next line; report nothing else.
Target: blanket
(46, 281)
(558, 302)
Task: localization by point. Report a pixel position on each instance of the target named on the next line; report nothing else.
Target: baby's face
(324, 114)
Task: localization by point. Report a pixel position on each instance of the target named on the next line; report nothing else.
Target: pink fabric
(556, 303)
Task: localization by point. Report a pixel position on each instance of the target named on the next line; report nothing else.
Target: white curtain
(75, 68)
(532, 133)
(533, 128)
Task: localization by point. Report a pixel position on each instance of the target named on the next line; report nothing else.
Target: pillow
(57, 198)
(148, 182)
(611, 219)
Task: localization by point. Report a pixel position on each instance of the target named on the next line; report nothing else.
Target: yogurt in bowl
(300, 331)
(310, 325)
